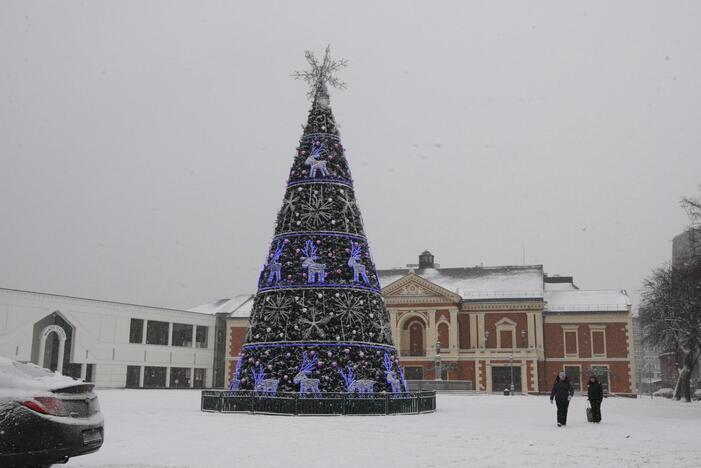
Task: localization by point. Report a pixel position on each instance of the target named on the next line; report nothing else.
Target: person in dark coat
(595, 393)
(562, 394)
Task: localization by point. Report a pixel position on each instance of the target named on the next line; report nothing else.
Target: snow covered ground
(154, 428)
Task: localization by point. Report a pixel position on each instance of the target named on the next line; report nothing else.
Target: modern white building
(109, 343)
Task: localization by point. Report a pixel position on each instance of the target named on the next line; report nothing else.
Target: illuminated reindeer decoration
(307, 385)
(263, 385)
(361, 386)
(316, 272)
(235, 381)
(314, 163)
(358, 267)
(392, 378)
(274, 266)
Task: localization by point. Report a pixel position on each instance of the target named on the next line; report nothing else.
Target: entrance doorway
(501, 378)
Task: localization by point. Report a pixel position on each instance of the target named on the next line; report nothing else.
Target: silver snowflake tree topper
(321, 74)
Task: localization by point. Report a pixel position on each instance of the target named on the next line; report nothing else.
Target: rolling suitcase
(590, 416)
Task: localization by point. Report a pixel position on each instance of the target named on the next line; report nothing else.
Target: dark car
(45, 417)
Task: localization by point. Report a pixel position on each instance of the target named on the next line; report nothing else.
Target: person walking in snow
(562, 394)
(595, 393)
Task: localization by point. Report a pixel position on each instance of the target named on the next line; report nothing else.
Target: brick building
(495, 324)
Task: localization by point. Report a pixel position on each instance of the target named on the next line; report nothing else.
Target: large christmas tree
(319, 323)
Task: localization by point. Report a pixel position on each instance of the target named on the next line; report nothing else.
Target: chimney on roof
(426, 260)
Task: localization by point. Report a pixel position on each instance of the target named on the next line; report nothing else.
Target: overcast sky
(145, 146)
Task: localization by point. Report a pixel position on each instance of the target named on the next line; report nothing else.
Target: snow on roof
(560, 287)
(500, 282)
(607, 300)
(228, 305)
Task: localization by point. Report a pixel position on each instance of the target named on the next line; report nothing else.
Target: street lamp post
(438, 361)
(486, 345)
(511, 387)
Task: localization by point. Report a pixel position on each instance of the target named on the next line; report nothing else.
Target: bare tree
(670, 308)
(692, 206)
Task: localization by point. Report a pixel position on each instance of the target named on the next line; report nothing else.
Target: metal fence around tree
(222, 401)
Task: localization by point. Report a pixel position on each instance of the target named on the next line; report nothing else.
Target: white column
(473, 331)
(539, 330)
(170, 334)
(480, 330)
(396, 332)
(194, 336)
(141, 375)
(167, 376)
(192, 377)
(531, 330)
(83, 371)
(454, 331)
(431, 334)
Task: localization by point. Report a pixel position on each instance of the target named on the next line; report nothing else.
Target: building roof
(88, 299)
(479, 283)
(578, 300)
(237, 306)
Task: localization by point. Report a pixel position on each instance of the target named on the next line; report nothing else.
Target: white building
(109, 343)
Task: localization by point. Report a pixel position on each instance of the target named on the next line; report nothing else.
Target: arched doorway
(52, 348)
(52, 344)
(417, 334)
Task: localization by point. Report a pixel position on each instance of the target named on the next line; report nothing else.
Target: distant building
(112, 344)
(686, 246)
(647, 361)
(492, 324)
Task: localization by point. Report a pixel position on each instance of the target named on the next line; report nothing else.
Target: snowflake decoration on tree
(317, 210)
(277, 309)
(289, 204)
(348, 207)
(321, 73)
(349, 308)
(314, 325)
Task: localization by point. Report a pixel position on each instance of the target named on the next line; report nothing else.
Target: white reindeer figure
(316, 272)
(392, 375)
(362, 386)
(358, 267)
(307, 385)
(263, 385)
(315, 164)
(274, 265)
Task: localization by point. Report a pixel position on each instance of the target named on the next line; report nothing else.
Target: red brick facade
(481, 341)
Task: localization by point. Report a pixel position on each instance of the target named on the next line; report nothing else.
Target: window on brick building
(574, 373)
(506, 338)
(571, 344)
(444, 335)
(598, 343)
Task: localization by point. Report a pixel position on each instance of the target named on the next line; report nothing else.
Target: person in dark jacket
(562, 394)
(595, 393)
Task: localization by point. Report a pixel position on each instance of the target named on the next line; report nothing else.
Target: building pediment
(415, 289)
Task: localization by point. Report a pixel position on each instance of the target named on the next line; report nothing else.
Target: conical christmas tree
(319, 323)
